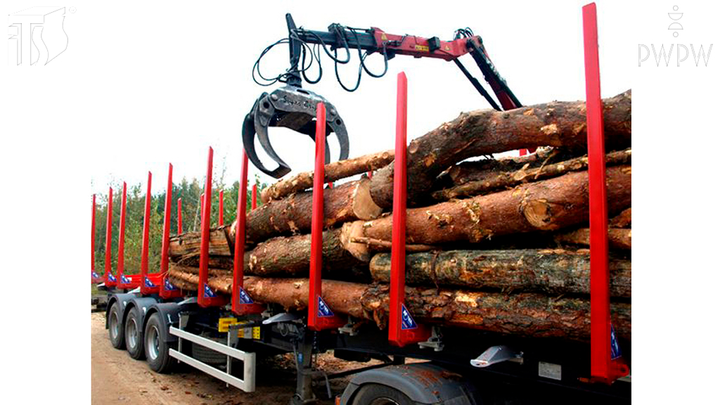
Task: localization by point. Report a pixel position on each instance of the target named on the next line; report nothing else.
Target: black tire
(116, 331)
(376, 393)
(134, 335)
(157, 349)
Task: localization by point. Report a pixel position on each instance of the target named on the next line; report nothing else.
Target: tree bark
(293, 214)
(187, 245)
(489, 180)
(549, 271)
(487, 131)
(333, 172)
(617, 238)
(622, 220)
(543, 206)
(524, 314)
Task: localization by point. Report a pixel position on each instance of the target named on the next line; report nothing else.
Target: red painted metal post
(253, 203)
(146, 231)
(110, 280)
(330, 185)
(221, 221)
(206, 296)
(123, 281)
(402, 328)
(202, 205)
(179, 217)
(166, 288)
(93, 275)
(603, 347)
(369, 174)
(242, 304)
(320, 315)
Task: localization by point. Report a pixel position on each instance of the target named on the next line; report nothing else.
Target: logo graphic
(112, 278)
(208, 292)
(148, 283)
(244, 297)
(675, 54)
(675, 26)
(323, 309)
(95, 275)
(614, 346)
(407, 320)
(169, 286)
(124, 279)
(37, 35)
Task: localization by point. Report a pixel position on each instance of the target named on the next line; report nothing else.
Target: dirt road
(118, 379)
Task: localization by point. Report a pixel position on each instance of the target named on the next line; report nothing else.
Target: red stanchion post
(402, 328)
(320, 315)
(179, 217)
(605, 361)
(242, 304)
(221, 208)
(206, 296)
(253, 203)
(123, 281)
(166, 288)
(93, 275)
(144, 253)
(110, 280)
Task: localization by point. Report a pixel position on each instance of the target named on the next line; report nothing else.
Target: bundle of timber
(499, 245)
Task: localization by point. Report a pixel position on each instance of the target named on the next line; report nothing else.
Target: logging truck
(167, 322)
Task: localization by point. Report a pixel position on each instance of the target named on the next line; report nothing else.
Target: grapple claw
(294, 108)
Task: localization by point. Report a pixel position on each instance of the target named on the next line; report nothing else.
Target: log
(525, 314)
(622, 220)
(542, 206)
(290, 256)
(551, 271)
(333, 172)
(483, 132)
(490, 180)
(618, 238)
(187, 245)
(293, 214)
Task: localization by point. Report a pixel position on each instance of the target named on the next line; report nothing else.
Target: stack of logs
(493, 244)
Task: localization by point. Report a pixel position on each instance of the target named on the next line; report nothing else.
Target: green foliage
(188, 191)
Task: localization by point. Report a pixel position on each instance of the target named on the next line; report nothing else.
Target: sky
(155, 82)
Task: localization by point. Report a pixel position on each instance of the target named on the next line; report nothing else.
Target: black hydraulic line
(477, 85)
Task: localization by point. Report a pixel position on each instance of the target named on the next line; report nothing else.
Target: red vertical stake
(110, 280)
(146, 231)
(120, 273)
(602, 367)
(179, 217)
(206, 296)
(93, 275)
(221, 221)
(253, 203)
(241, 302)
(320, 315)
(402, 328)
(166, 288)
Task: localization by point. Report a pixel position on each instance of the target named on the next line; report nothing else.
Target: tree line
(188, 191)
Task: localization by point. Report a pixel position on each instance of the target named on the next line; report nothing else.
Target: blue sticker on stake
(95, 275)
(112, 278)
(169, 286)
(208, 292)
(407, 320)
(148, 283)
(124, 279)
(244, 297)
(614, 346)
(323, 309)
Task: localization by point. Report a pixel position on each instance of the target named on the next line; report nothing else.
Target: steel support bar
(110, 280)
(603, 347)
(402, 328)
(320, 315)
(206, 296)
(247, 383)
(242, 304)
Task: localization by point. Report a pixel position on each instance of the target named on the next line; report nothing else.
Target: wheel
(157, 350)
(378, 394)
(134, 335)
(115, 326)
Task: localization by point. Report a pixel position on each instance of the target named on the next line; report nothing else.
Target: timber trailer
(223, 336)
